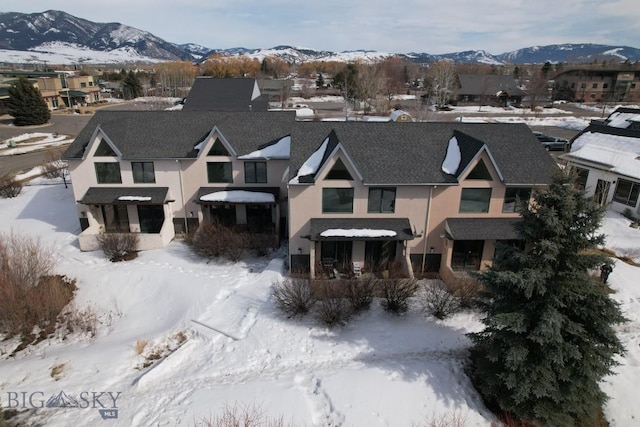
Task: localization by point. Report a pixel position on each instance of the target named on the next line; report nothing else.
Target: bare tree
(442, 80)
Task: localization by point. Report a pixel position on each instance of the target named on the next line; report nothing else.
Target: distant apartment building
(598, 85)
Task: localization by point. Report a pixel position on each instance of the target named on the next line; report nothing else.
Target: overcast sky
(403, 26)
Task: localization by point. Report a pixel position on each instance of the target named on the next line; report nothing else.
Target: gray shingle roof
(412, 153)
(111, 195)
(173, 134)
(401, 226)
(487, 84)
(483, 228)
(213, 94)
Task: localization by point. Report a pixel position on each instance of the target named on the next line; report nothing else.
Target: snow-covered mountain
(59, 38)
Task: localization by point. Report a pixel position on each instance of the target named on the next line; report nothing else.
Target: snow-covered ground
(378, 370)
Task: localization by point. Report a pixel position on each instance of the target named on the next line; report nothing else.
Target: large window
(151, 218)
(255, 172)
(337, 200)
(219, 172)
(143, 172)
(581, 177)
(115, 218)
(626, 192)
(475, 200)
(514, 195)
(108, 173)
(382, 200)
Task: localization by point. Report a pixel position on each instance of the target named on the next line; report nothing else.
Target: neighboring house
(598, 85)
(606, 158)
(420, 196)
(400, 116)
(162, 172)
(213, 94)
(276, 90)
(488, 89)
(57, 88)
(385, 196)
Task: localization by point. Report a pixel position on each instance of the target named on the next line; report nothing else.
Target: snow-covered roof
(622, 119)
(311, 165)
(239, 196)
(617, 153)
(135, 198)
(452, 159)
(279, 150)
(355, 232)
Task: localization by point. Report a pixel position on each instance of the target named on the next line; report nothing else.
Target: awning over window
(125, 195)
(238, 195)
(72, 93)
(482, 228)
(360, 229)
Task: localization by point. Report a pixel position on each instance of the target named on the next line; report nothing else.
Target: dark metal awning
(238, 195)
(73, 93)
(482, 228)
(360, 229)
(125, 195)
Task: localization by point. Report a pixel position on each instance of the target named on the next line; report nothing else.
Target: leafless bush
(360, 292)
(9, 187)
(243, 416)
(84, 321)
(24, 260)
(451, 419)
(437, 301)
(119, 246)
(215, 240)
(261, 244)
(333, 311)
(396, 294)
(293, 296)
(465, 290)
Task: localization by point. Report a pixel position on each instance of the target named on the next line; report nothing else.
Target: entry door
(602, 192)
(116, 219)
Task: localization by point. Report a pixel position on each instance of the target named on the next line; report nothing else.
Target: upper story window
(475, 200)
(218, 149)
(583, 85)
(143, 172)
(594, 85)
(104, 150)
(108, 173)
(480, 171)
(219, 172)
(339, 171)
(512, 196)
(626, 192)
(255, 172)
(605, 85)
(83, 84)
(337, 200)
(382, 200)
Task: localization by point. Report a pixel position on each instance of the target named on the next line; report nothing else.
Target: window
(583, 85)
(83, 84)
(605, 85)
(339, 171)
(337, 200)
(151, 218)
(104, 150)
(143, 172)
(218, 149)
(382, 200)
(115, 218)
(512, 196)
(108, 173)
(573, 85)
(475, 200)
(255, 172)
(626, 192)
(480, 171)
(581, 177)
(219, 172)
(594, 86)
(633, 85)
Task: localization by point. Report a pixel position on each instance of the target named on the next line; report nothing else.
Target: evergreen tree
(548, 339)
(26, 104)
(131, 86)
(320, 81)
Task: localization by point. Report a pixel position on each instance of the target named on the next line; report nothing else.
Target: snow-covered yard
(378, 370)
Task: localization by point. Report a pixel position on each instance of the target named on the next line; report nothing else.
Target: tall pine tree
(26, 104)
(548, 339)
(131, 86)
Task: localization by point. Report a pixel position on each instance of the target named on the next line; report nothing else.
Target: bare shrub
(465, 289)
(9, 187)
(24, 260)
(451, 419)
(243, 416)
(333, 311)
(396, 294)
(84, 321)
(215, 240)
(261, 244)
(293, 296)
(437, 301)
(360, 293)
(119, 246)
(57, 370)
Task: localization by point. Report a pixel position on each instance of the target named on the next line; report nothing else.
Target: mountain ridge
(58, 37)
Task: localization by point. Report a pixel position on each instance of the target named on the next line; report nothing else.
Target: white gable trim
(256, 91)
(332, 156)
(474, 160)
(100, 135)
(210, 139)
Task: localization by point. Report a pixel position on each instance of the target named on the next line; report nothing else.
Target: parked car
(552, 143)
